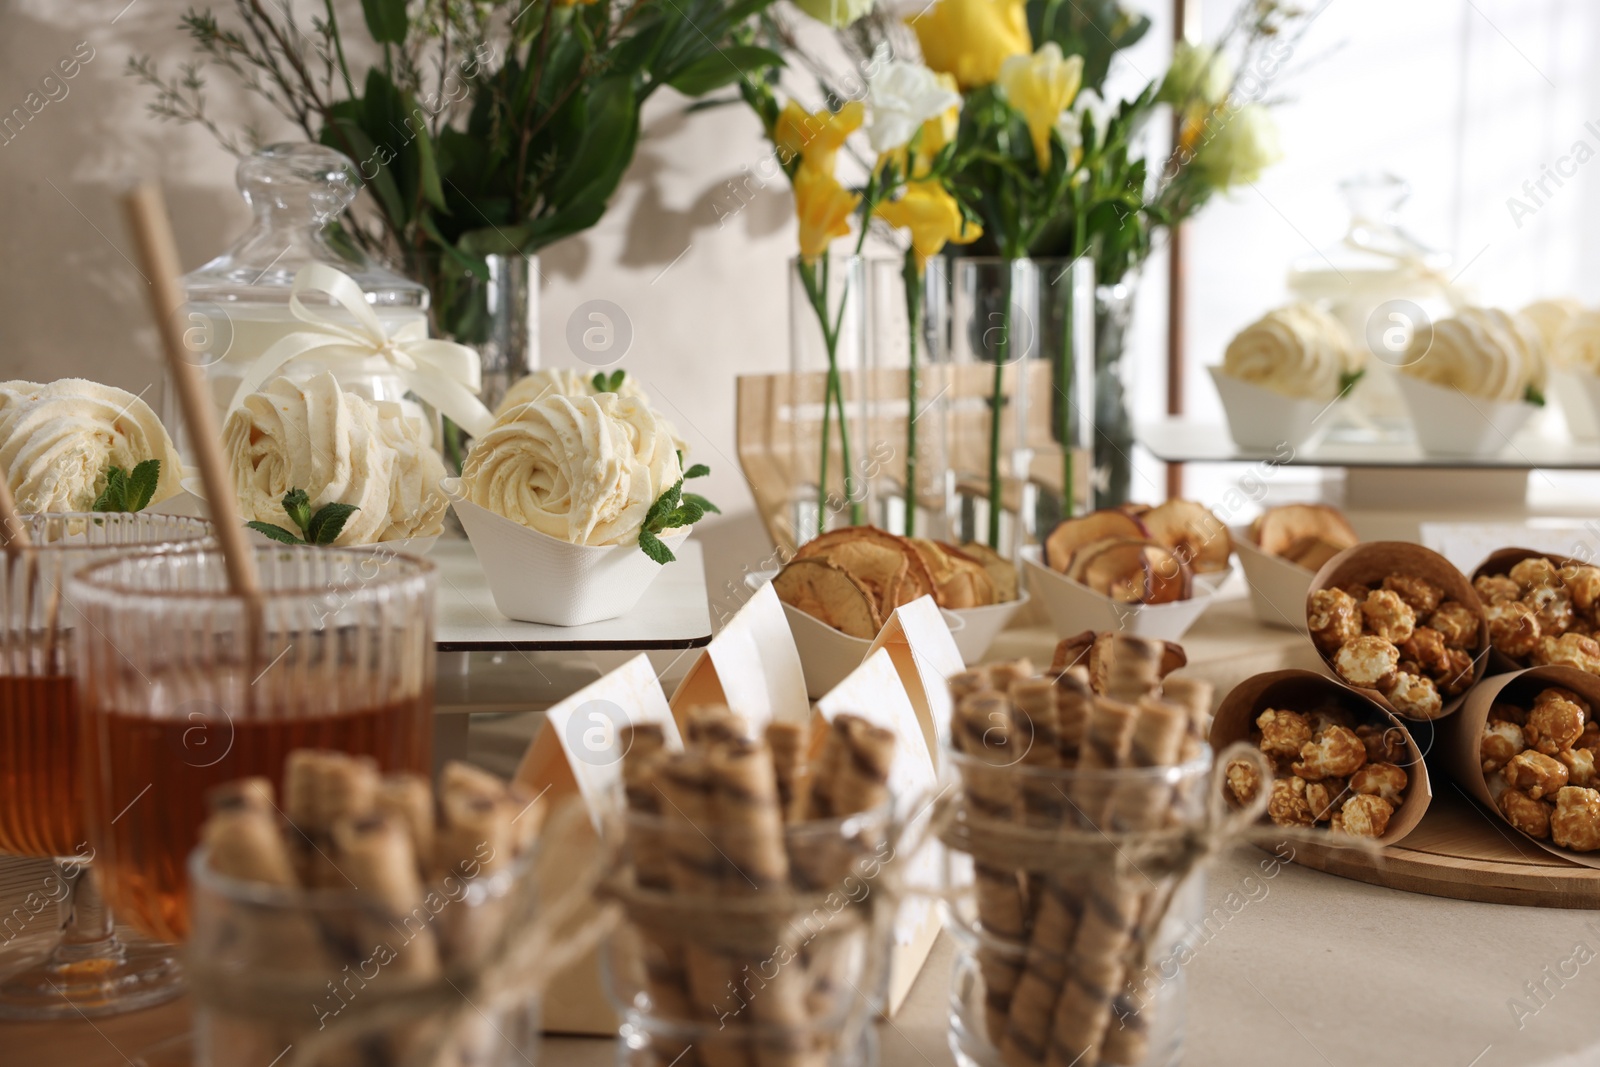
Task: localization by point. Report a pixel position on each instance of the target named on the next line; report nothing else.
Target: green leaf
(685, 514)
(655, 548)
(297, 505)
(327, 523)
(1533, 396)
(142, 484)
(428, 168)
(617, 377)
(114, 496)
(664, 505)
(610, 125)
(723, 67)
(1348, 380)
(701, 502)
(386, 20)
(277, 533)
(699, 470)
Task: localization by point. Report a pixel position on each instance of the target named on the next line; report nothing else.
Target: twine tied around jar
(445, 374)
(535, 945)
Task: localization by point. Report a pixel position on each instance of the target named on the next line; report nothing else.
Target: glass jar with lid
(239, 302)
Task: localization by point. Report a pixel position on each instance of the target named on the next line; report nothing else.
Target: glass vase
(494, 311)
(909, 471)
(828, 395)
(1062, 430)
(1113, 418)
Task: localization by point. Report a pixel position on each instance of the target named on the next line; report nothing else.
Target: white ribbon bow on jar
(442, 373)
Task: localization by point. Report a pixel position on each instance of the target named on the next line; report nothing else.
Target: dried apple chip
(830, 594)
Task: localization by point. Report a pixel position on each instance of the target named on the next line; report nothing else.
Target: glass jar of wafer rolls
(1071, 878)
(757, 917)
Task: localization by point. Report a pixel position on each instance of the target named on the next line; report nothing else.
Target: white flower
(836, 13)
(902, 96)
(1198, 72)
(1244, 145)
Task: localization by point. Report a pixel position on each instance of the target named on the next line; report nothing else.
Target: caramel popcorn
(1244, 781)
(1501, 741)
(1288, 806)
(1493, 587)
(1552, 606)
(1535, 774)
(1385, 744)
(1566, 694)
(1501, 712)
(1526, 814)
(1533, 573)
(1513, 627)
(1583, 582)
(1590, 738)
(1333, 753)
(1458, 676)
(1575, 823)
(1366, 661)
(1323, 718)
(1421, 596)
(1569, 650)
(1363, 816)
(1425, 647)
(1414, 696)
(1456, 624)
(1580, 766)
(1388, 616)
(1283, 732)
(1381, 780)
(1553, 724)
(1552, 616)
(1333, 618)
(1325, 796)
(1356, 591)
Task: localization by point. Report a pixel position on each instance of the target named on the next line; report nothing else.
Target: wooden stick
(16, 532)
(158, 255)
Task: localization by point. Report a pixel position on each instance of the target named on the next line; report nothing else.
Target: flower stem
(996, 409)
(913, 284)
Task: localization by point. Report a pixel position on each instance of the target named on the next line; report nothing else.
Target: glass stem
(913, 283)
(88, 930)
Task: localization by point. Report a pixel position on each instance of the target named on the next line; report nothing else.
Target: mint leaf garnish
(672, 510)
(321, 528)
(277, 533)
(129, 492)
(325, 525)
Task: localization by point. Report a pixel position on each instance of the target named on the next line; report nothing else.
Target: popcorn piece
(1513, 628)
(1501, 741)
(1553, 606)
(1553, 724)
(1576, 821)
(1363, 816)
(1583, 582)
(1493, 587)
(1356, 591)
(1580, 766)
(1535, 774)
(1244, 782)
(1554, 691)
(1421, 596)
(1283, 732)
(1414, 696)
(1325, 797)
(1568, 650)
(1535, 572)
(1385, 744)
(1590, 738)
(1426, 648)
(1381, 780)
(1288, 805)
(1367, 661)
(1323, 718)
(1333, 753)
(1456, 624)
(1526, 814)
(1388, 616)
(1457, 677)
(1333, 618)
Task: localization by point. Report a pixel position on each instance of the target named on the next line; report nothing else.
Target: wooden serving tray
(1461, 851)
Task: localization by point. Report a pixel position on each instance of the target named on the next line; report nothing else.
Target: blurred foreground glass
(706, 958)
(341, 977)
(89, 972)
(1065, 950)
(185, 686)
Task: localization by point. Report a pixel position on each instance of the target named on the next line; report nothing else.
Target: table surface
(1292, 966)
(674, 612)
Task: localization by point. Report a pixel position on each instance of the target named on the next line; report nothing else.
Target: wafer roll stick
(409, 798)
(861, 780)
(375, 853)
(1074, 698)
(1196, 696)
(964, 684)
(319, 789)
(787, 740)
(819, 797)
(706, 724)
(1134, 669)
(475, 841)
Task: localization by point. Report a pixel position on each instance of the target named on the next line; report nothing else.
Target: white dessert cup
(1278, 587)
(538, 578)
(1073, 607)
(1448, 422)
(982, 626)
(1579, 393)
(1265, 420)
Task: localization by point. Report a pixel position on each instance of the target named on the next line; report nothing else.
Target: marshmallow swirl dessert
(338, 447)
(583, 469)
(57, 442)
(1298, 351)
(1482, 352)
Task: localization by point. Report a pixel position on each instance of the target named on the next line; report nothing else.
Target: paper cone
(1370, 563)
(1073, 607)
(1460, 739)
(1450, 423)
(1298, 690)
(980, 626)
(538, 578)
(1278, 587)
(1261, 419)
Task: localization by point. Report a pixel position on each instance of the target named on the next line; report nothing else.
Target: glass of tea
(185, 685)
(90, 971)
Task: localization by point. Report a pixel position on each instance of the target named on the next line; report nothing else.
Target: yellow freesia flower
(1040, 87)
(972, 38)
(934, 218)
(941, 129)
(816, 136)
(824, 207)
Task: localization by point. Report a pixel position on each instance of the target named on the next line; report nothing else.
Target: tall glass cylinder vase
(991, 333)
(908, 461)
(827, 405)
(1113, 417)
(1062, 429)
